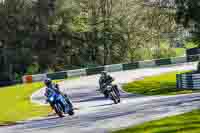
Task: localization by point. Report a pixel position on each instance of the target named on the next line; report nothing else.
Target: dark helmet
(103, 73)
(47, 81)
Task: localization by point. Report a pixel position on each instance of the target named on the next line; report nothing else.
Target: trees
(59, 33)
(24, 35)
(188, 16)
(14, 35)
(143, 27)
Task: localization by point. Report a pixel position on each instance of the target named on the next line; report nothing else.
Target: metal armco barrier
(193, 54)
(188, 81)
(110, 68)
(7, 83)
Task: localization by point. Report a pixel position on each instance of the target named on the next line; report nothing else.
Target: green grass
(180, 51)
(164, 84)
(185, 123)
(15, 103)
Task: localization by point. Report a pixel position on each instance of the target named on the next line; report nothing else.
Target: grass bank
(15, 103)
(164, 84)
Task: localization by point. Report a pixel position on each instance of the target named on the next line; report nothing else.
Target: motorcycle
(60, 105)
(111, 91)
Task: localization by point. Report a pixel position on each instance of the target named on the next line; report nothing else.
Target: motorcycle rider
(50, 87)
(105, 80)
(54, 88)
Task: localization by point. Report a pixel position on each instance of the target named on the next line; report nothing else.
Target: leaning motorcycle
(60, 105)
(113, 94)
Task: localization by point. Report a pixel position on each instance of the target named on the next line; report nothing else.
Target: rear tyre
(119, 100)
(115, 101)
(106, 95)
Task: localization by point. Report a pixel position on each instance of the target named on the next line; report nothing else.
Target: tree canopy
(53, 35)
(188, 15)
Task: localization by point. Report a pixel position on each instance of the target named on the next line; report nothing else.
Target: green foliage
(147, 54)
(189, 45)
(33, 69)
(185, 123)
(163, 52)
(188, 15)
(17, 76)
(163, 84)
(166, 50)
(80, 24)
(74, 32)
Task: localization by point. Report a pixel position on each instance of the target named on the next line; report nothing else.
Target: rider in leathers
(105, 80)
(54, 88)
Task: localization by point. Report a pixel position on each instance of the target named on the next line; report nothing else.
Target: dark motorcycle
(60, 104)
(114, 87)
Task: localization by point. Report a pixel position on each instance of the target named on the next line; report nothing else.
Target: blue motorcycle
(60, 104)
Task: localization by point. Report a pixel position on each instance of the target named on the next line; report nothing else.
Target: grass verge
(185, 123)
(180, 51)
(15, 104)
(164, 84)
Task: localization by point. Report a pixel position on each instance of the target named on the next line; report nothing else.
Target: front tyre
(71, 112)
(114, 98)
(116, 89)
(58, 109)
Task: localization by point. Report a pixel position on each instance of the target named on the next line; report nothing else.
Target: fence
(6, 83)
(109, 68)
(192, 52)
(188, 81)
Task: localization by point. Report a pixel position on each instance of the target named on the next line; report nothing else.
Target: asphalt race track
(94, 114)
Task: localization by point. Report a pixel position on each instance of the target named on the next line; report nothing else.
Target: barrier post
(178, 81)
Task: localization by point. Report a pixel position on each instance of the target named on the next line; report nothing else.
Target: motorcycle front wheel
(58, 109)
(71, 112)
(114, 97)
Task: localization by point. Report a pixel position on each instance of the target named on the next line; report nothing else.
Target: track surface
(98, 115)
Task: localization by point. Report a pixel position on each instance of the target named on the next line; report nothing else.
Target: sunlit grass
(180, 51)
(15, 104)
(164, 84)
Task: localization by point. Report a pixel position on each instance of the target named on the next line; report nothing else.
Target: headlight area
(51, 99)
